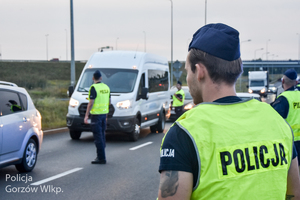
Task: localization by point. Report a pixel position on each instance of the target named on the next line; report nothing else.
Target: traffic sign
(177, 64)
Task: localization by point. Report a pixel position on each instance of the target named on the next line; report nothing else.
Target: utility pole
(72, 46)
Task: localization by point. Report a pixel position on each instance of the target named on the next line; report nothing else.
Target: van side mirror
(247, 86)
(70, 90)
(144, 94)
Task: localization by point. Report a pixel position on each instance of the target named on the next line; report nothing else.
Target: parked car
(272, 89)
(247, 96)
(188, 101)
(21, 132)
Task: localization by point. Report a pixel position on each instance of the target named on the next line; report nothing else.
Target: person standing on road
(178, 100)
(98, 107)
(225, 148)
(287, 105)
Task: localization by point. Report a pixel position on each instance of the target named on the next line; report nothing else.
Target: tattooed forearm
(169, 183)
(289, 197)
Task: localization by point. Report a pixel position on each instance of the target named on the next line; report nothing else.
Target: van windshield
(118, 80)
(257, 83)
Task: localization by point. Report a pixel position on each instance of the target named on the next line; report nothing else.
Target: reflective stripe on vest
(176, 102)
(244, 150)
(101, 103)
(293, 117)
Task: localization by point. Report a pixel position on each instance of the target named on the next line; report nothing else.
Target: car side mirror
(70, 90)
(144, 94)
(247, 86)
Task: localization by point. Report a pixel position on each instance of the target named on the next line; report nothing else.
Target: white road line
(140, 146)
(56, 176)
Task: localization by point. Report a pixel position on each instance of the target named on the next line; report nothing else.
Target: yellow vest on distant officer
(244, 150)
(101, 103)
(293, 117)
(176, 102)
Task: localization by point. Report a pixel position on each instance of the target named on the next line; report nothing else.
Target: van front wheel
(134, 135)
(160, 126)
(75, 135)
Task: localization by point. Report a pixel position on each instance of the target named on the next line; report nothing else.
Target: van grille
(82, 110)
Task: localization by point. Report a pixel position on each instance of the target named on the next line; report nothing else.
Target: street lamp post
(205, 11)
(72, 45)
(171, 42)
(298, 47)
(117, 43)
(246, 41)
(255, 56)
(144, 40)
(47, 46)
(267, 49)
(66, 44)
(256, 51)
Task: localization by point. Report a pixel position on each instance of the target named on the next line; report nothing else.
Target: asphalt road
(64, 170)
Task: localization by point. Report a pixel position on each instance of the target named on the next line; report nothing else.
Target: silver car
(21, 132)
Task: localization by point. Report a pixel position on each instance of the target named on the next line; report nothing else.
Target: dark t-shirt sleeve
(93, 93)
(294, 152)
(178, 153)
(179, 96)
(281, 105)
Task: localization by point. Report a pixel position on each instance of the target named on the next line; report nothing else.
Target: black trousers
(98, 125)
(178, 111)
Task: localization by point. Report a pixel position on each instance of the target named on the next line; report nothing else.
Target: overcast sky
(123, 24)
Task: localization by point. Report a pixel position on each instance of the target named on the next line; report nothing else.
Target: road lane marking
(140, 146)
(56, 176)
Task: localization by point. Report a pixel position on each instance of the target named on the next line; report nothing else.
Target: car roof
(245, 94)
(11, 86)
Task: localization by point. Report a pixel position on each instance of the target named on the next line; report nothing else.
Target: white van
(139, 85)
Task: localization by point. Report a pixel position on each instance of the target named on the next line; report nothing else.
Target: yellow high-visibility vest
(293, 117)
(244, 150)
(101, 102)
(176, 102)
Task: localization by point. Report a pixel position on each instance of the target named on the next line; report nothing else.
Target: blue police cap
(97, 74)
(178, 82)
(291, 74)
(217, 40)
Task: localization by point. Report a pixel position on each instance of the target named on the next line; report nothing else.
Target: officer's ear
(200, 71)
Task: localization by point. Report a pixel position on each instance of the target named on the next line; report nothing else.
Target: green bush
(53, 112)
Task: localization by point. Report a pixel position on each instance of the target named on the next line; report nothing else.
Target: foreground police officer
(98, 107)
(178, 100)
(225, 148)
(287, 105)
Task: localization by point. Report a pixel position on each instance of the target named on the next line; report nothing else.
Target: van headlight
(263, 90)
(188, 106)
(73, 103)
(250, 91)
(124, 104)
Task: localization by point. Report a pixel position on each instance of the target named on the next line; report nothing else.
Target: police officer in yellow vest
(98, 107)
(287, 105)
(178, 100)
(225, 148)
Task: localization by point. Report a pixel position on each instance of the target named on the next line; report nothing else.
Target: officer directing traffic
(287, 105)
(225, 148)
(98, 107)
(178, 100)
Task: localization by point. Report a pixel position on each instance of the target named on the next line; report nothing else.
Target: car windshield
(187, 94)
(256, 83)
(118, 80)
(250, 97)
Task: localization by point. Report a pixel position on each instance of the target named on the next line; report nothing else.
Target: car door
(15, 124)
(1, 131)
